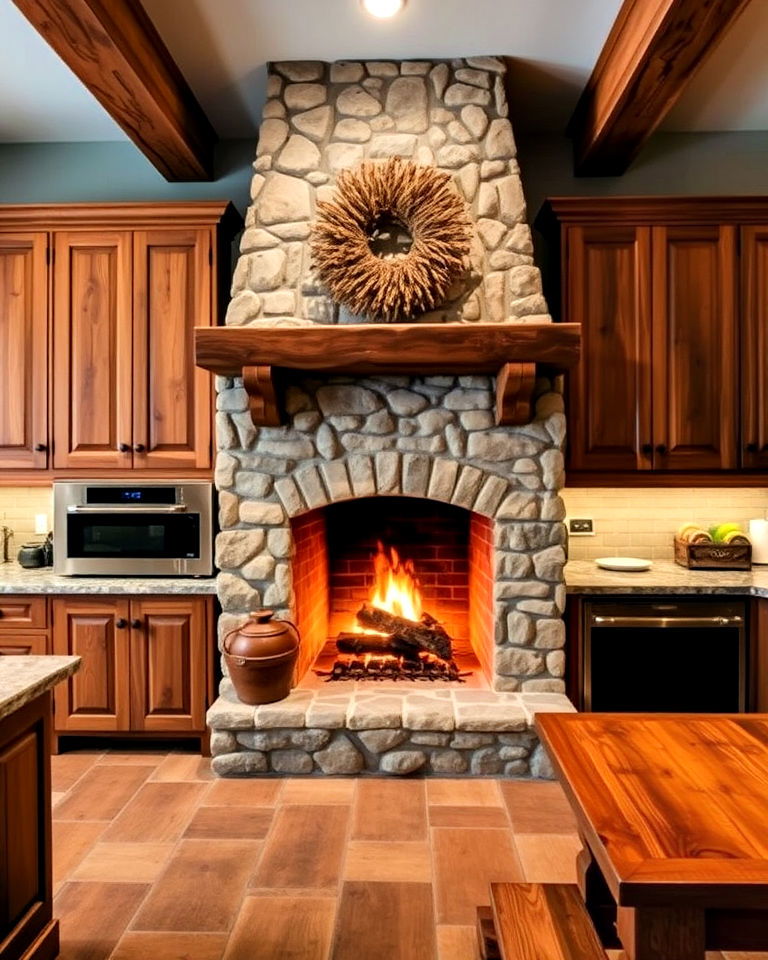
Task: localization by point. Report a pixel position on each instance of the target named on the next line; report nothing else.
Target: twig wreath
(420, 198)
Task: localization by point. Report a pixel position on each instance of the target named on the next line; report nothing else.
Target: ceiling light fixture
(383, 9)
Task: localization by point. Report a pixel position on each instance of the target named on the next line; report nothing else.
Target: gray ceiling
(222, 47)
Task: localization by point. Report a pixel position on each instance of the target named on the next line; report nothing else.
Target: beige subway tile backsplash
(18, 507)
(643, 522)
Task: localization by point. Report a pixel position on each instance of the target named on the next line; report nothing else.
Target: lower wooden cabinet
(27, 929)
(146, 664)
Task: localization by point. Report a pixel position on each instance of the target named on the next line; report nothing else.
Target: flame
(395, 589)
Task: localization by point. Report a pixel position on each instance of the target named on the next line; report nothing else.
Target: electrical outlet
(581, 527)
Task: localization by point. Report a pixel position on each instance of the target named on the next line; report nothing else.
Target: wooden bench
(537, 921)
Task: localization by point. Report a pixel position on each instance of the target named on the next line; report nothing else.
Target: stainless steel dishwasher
(681, 656)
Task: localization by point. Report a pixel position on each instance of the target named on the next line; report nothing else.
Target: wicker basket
(713, 556)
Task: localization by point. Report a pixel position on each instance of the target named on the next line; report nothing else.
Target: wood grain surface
(543, 922)
(387, 347)
(673, 807)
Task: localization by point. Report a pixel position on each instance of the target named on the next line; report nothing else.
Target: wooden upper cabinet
(97, 697)
(92, 365)
(754, 347)
(171, 396)
(24, 350)
(607, 291)
(695, 348)
(168, 664)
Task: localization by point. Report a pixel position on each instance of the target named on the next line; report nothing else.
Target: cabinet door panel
(172, 397)
(92, 350)
(695, 348)
(608, 292)
(24, 350)
(28, 612)
(97, 696)
(22, 883)
(168, 664)
(754, 355)
(17, 645)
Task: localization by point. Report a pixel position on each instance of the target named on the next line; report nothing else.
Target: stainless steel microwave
(141, 529)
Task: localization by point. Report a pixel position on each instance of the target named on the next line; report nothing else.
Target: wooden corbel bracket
(514, 393)
(259, 383)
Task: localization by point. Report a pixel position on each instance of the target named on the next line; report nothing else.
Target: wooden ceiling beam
(115, 50)
(652, 51)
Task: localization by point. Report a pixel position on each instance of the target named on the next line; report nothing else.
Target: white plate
(627, 564)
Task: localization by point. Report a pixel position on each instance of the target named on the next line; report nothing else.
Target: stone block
(262, 512)
(387, 472)
(290, 761)
(361, 475)
(310, 740)
(284, 199)
(290, 712)
(499, 716)
(357, 102)
(340, 758)
(242, 764)
(386, 145)
(443, 479)
(230, 715)
(272, 135)
(304, 96)
(514, 662)
(343, 399)
(300, 71)
(406, 403)
(260, 568)
(314, 123)
(438, 76)
(467, 487)
(428, 738)
(447, 761)
(236, 547)
(402, 761)
(377, 741)
(461, 94)
(406, 103)
(289, 495)
(336, 480)
(490, 496)
(347, 71)
(415, 474)
(486, 762)
(311, 486)
(236, 594)
(222, 741)
(373, 712)
(421, 712)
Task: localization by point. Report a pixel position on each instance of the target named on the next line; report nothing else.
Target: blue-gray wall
(93, 172)
(670, 163)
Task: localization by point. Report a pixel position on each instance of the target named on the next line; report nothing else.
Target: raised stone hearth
(383, 730)
(430, 437)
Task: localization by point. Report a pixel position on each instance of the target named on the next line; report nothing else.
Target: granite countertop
(22, 679)
(665, 577)
(16, 579)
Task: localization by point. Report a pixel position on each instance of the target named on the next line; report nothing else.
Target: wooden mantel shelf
(508, 350)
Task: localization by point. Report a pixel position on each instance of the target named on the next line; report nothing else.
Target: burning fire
(395, 589)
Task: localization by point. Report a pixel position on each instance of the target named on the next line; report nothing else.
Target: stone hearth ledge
(363, 731)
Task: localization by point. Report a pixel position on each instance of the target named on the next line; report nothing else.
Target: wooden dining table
(673, 809)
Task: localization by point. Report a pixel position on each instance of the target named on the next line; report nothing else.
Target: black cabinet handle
(139, 448)
(124, 447)
(40, 447)
(121, 624)
(752, 448)
(136, 624)
(647, 448)
(660, 448)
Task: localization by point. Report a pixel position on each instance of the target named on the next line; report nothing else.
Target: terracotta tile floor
(155, 859)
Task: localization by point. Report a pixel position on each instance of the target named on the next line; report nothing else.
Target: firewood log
(374, 643)
(426, 635)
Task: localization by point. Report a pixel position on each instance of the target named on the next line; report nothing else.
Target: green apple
(723, 529)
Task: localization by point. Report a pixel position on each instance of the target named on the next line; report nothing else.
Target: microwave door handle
(121, 508)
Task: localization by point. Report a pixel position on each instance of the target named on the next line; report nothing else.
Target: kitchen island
(28, 930)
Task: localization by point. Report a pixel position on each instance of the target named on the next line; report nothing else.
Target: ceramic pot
(261, 655)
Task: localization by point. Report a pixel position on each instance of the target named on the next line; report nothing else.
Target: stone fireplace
(420, 463)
